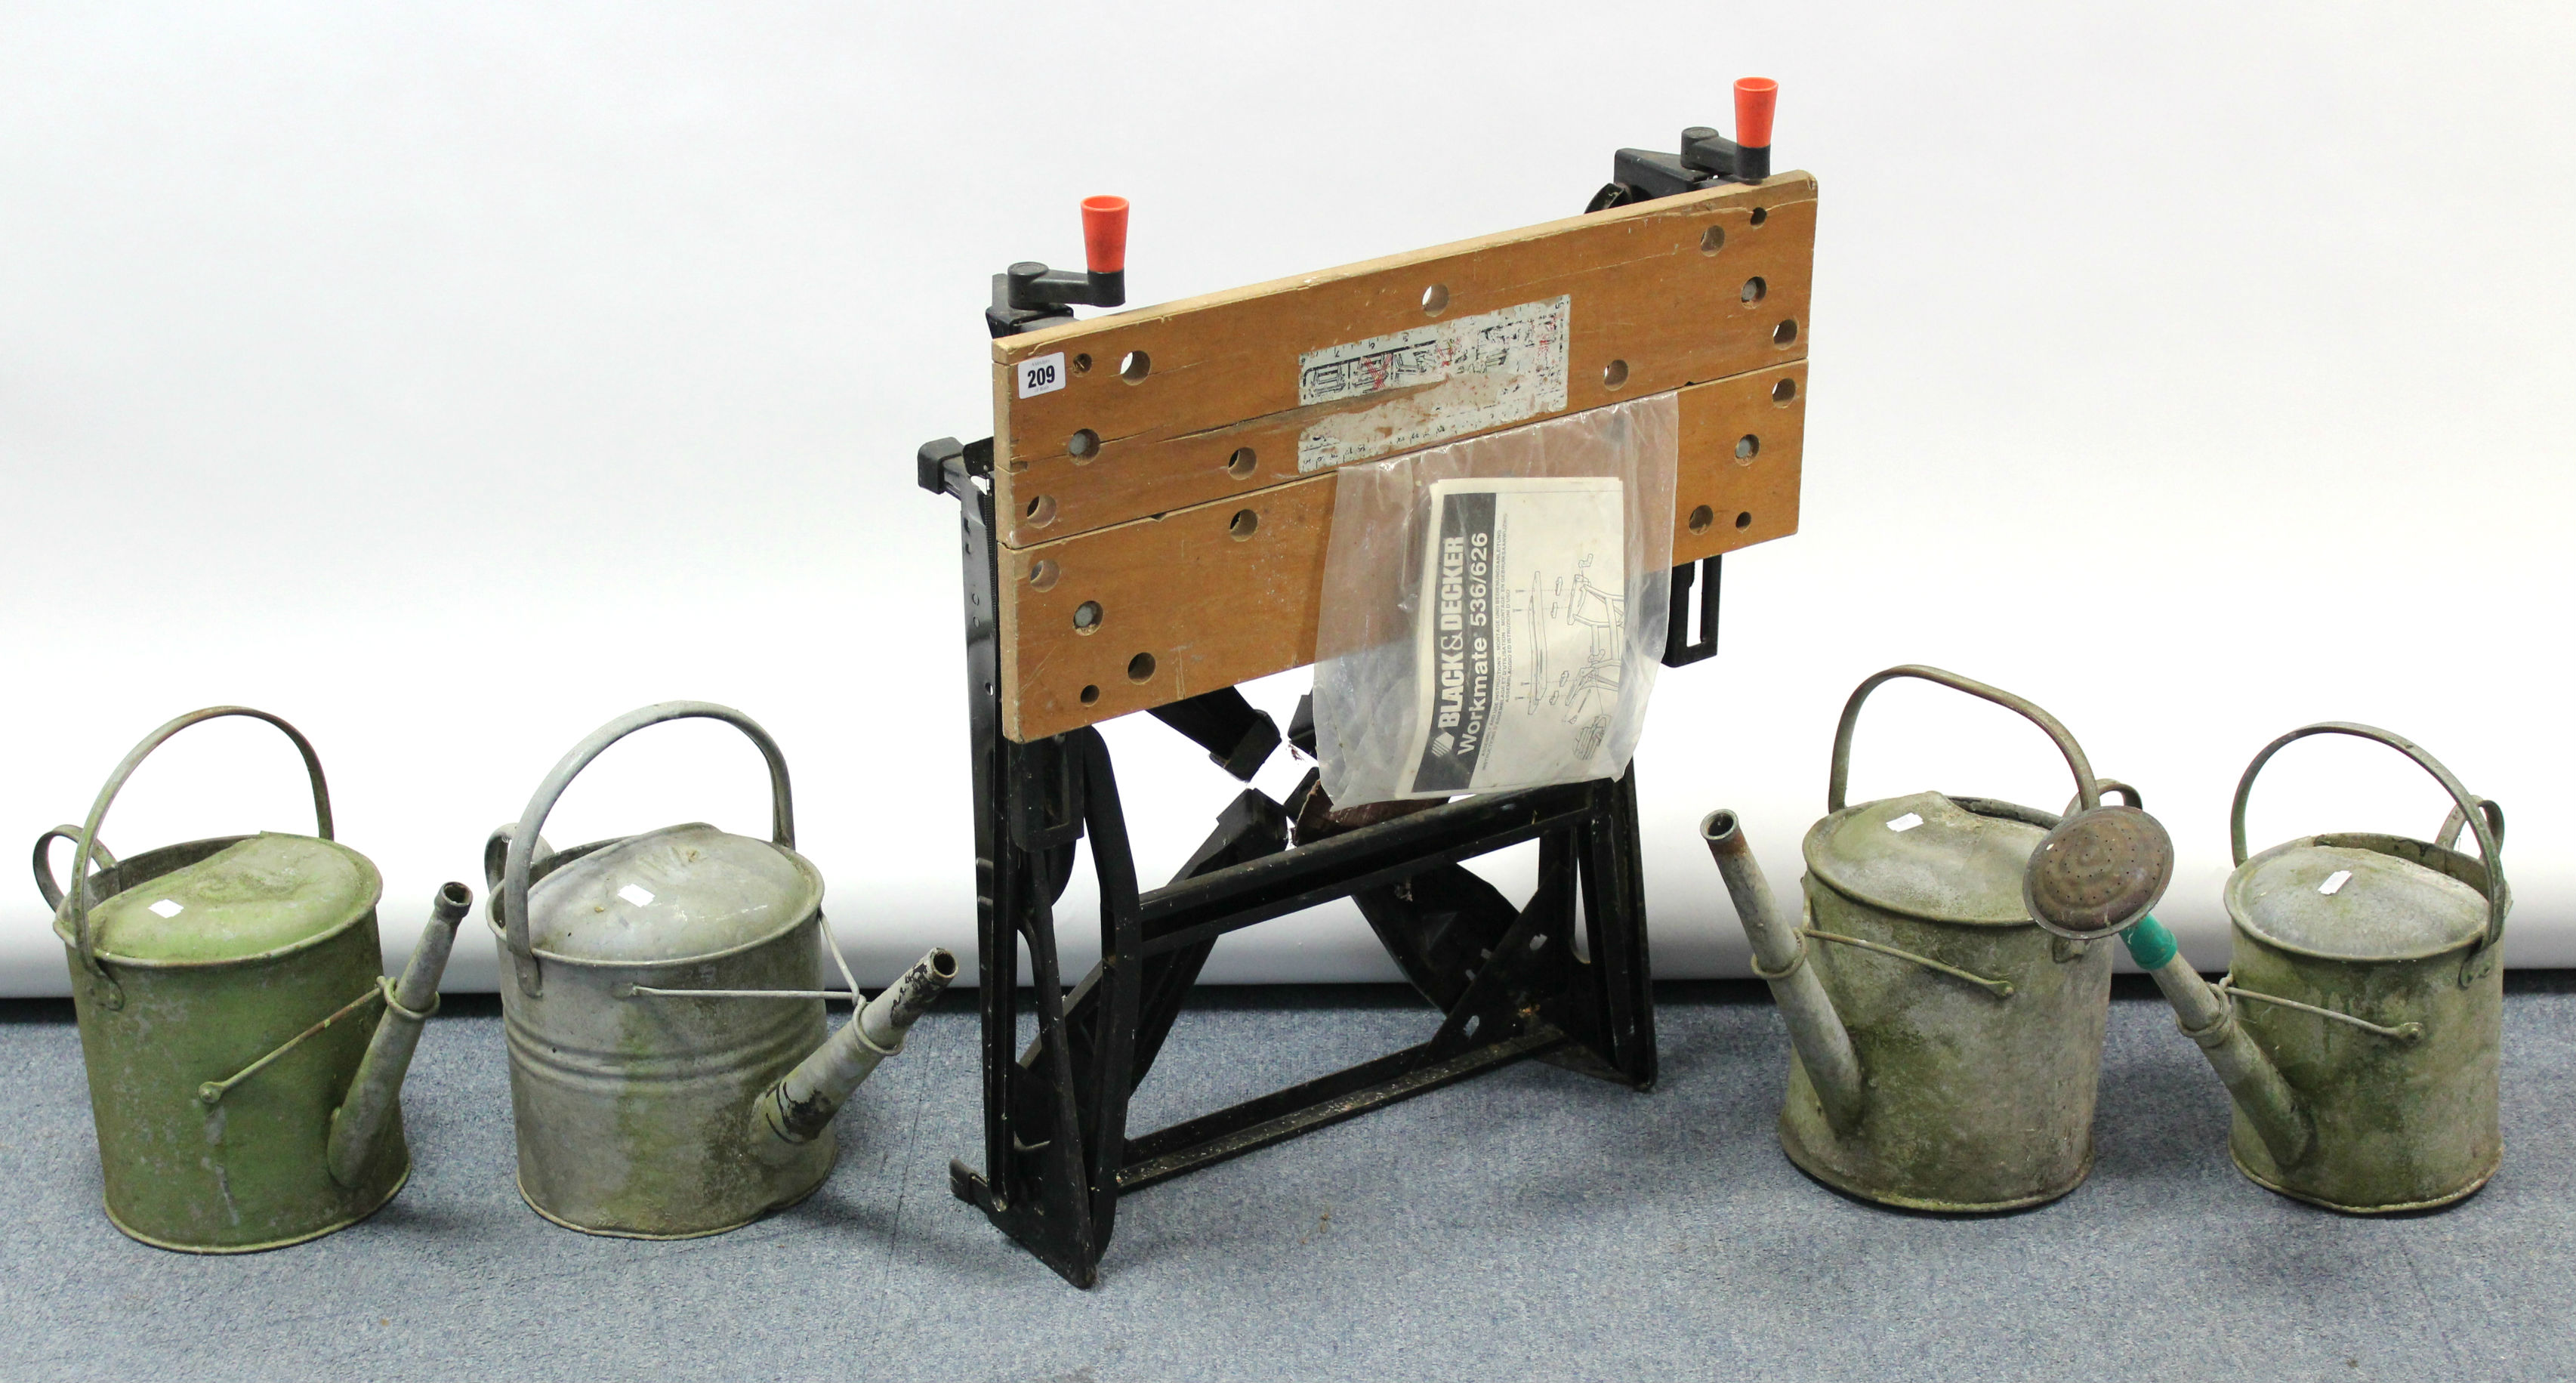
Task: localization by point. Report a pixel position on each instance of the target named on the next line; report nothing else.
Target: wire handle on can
(46, 887)
(2455, 820)
(75, 899)
(2088, 792)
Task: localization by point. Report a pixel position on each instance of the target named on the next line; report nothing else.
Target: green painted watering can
(2363, 1069)
(1945, 1049)
(669, 1070)
(245, 1053)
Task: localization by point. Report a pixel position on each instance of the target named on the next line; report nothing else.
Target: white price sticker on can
(1043, 375)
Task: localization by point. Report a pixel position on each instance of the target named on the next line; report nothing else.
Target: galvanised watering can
(1944, 1048)
(220, 985)
(668, 1065)
(2363, 1072)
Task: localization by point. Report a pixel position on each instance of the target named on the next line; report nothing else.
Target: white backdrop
(448, 379)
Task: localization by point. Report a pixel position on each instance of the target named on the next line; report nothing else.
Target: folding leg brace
(1508, 980)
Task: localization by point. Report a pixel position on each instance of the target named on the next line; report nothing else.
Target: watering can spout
(358, 1126)
(1780, 956)
(2209, 1019)
(801, 1105)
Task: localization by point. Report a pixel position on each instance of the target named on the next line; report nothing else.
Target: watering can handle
(2088, 791)
(76, 898)
(2483, 817)
(51, 891)
(2452, 822)
(2107, 786)
(513, 886)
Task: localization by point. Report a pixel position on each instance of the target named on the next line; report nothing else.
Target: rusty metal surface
(634, 1114)
(220, 1053)
(660, 986)
(681, 891)
(2099, 871)
(2398, 899)
(1975, 1101)
(2400, 1124)
(1977, 1033)
(2377, 1004)
(1928, 855)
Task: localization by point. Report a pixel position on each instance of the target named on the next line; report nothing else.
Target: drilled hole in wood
(1090, 695)
(1712, 240)
(1614, 374)
(1043, 574)
(1785, 333)
(1241, 463)
(1041, 511)
(1784, 391)
(1744, 520)
(1140, 668)
(1753, 290)
(1701, 518)
(1134, 365)
(1245, 524)
(1435, 299)
(1086, 617)
(1083, 445)
(1760, 215)
(1747, 447)
(1082, 364)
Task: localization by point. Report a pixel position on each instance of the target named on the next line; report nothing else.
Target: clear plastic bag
(1472, 635)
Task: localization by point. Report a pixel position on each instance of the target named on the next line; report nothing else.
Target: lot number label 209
(1044, 375)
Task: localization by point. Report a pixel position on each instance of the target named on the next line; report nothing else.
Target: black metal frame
(1510, 982)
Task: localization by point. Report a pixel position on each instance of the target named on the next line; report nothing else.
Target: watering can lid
(1927, 856)
(267, 893)
(679, 893)
(2382, 907)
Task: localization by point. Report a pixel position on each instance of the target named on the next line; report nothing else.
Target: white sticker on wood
(1443, 379)
(1043, 375)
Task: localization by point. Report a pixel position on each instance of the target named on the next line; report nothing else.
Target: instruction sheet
(1522, 628)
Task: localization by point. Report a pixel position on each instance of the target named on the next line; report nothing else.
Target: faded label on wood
(1443, 380)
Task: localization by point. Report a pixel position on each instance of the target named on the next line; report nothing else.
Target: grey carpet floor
(1532, 1223)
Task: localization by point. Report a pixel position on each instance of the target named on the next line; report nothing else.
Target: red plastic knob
(1104, 234)
(1754, 97)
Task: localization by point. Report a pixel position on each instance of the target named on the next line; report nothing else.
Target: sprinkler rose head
(2098, 872)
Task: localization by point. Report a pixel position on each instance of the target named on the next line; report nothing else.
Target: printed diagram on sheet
(1522, 634)
(1559, 608)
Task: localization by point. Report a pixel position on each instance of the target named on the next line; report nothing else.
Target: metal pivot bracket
(1680, 648)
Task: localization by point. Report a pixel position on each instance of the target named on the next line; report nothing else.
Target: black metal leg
(1057, 1154)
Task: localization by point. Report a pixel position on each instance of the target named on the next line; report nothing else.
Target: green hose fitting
(2150, 945)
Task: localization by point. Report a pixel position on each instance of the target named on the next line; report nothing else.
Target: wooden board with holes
(1146, 412)
(1214, 594)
